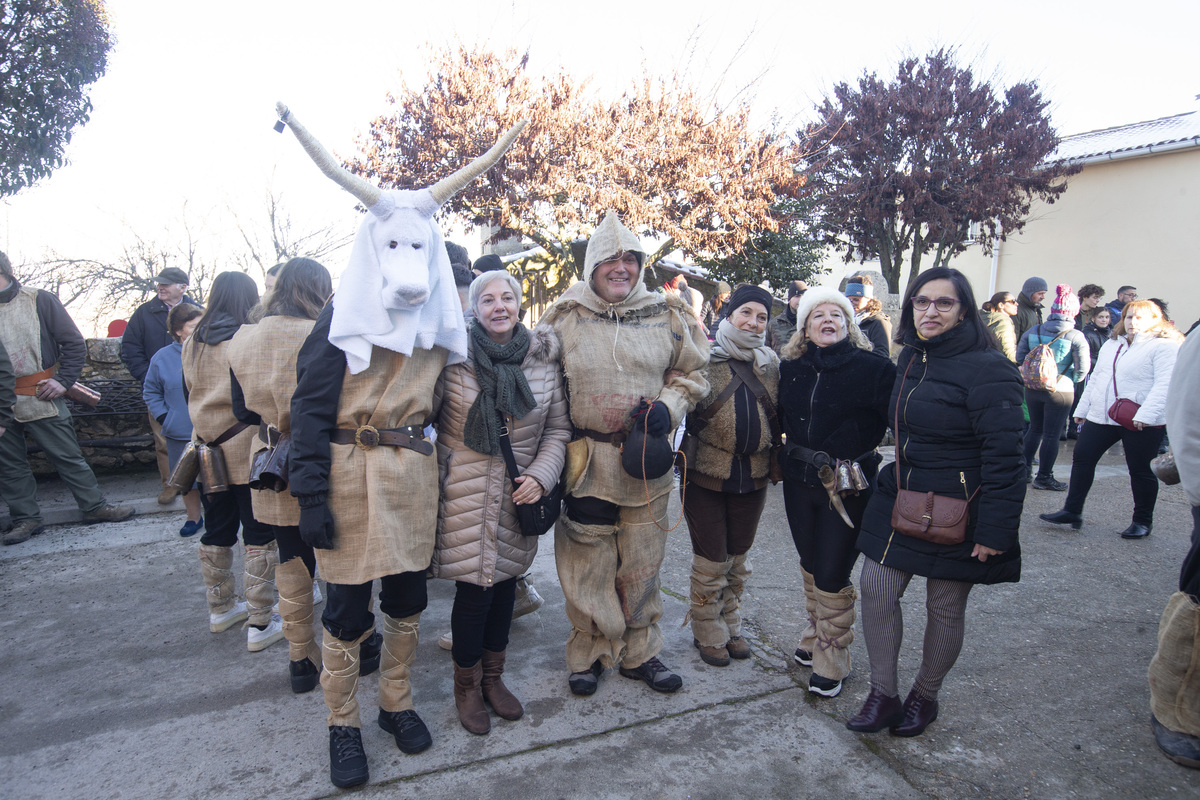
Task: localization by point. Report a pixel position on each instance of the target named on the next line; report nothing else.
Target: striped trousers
(883, 627)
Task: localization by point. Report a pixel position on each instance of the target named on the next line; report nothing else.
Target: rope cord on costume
(393, 629)
(646, 483)
(334, 643)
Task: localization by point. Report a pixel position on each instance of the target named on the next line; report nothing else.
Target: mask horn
(366, 193)
(449, 186)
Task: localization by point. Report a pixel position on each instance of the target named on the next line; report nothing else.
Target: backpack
(1039, 370)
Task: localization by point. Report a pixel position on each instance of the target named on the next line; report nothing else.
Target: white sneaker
(317, 598)
(226, 620)
(446, 641)
(527, 600)
(260, 640)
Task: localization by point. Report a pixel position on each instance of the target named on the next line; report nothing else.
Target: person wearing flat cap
(780, 329)
(144, 336)
(735, 426)
(636, 363)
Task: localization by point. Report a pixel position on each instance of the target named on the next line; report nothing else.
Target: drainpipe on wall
(995, 262)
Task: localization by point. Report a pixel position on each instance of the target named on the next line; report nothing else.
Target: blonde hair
(798, 344)
(1162, 327)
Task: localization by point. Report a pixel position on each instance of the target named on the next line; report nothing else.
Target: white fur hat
(819, 295)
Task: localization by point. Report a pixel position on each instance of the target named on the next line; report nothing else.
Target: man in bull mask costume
(634, 362)
(364, 475)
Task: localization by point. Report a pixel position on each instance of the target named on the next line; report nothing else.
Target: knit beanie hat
(1066, 304)
(1034, 285)
(488, 263)
(748, 293)
(796, 288)
(819, 296)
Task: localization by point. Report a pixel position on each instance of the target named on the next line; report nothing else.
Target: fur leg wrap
(709, 581)
(739, 572)
(835, 632)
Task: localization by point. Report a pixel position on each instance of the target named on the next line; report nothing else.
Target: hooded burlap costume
(613, 355)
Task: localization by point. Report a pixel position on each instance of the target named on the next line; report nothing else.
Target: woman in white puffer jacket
(1141, 356)
(512, 372)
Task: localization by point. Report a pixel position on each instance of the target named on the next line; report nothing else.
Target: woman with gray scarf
(510, 381)
(725, 489)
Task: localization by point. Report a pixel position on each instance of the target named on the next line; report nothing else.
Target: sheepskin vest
(478, 536)
(734, 449)
(263, 358)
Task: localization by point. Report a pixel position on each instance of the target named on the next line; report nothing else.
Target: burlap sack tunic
(613, 355)
(383, 500)
(210, 404)
(263, 359)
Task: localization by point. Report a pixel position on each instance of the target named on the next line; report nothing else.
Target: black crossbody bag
(535, 518)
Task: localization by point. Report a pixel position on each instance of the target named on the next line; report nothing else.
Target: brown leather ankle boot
(468, 699)
(502, 701)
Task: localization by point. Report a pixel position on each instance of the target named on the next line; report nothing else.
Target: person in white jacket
(1135, 365)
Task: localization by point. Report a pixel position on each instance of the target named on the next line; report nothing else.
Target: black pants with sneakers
(348, 614)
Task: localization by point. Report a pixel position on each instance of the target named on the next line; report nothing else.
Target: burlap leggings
(609, 577)
(883, 627)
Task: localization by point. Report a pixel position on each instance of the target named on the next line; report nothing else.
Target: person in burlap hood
(621, 345)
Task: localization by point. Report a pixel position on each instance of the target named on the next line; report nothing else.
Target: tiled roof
(1124, 141)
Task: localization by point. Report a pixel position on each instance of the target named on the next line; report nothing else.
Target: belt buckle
(366, 437)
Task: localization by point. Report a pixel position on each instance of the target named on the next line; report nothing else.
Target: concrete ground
(113, 686)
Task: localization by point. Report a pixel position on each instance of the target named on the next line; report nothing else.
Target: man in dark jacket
(1029, 301)
(47, 354)
(8, 397)
(780, 329)
(145, 335)
(868, 313)
(1125, 296)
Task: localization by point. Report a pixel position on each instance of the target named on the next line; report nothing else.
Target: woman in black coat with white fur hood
(833, 398)
(957, 416)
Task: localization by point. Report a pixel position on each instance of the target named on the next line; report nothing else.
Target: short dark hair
(1090, 290)
(181, 315)
(985, 339)
(1124, 289)
(6, 267)
(301, 290)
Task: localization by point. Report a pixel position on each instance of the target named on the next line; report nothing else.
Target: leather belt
(616, 439)
(819, 458)
(27, 384)
(269, 434)
(367, 437)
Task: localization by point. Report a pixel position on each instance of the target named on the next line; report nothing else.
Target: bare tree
(281, 239)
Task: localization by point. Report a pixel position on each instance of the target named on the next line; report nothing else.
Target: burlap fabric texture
(210, 404)
(263, 359)
(1175, 668)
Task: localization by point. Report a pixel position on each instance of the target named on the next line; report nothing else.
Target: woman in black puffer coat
(958, 434)
(833, 398)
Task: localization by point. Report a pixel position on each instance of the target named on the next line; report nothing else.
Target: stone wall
(119, 425)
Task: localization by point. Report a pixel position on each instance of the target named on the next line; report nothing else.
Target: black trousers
(722, 524)
(1189, 575)
(825, 542)
(225, 511)
(1140, 449)
(1047, 417)
(292, 546)
(347, 614)
(480, 619)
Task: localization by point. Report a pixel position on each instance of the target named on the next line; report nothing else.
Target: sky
(181, 130)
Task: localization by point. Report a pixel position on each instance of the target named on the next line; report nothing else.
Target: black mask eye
(416, 246)
(392, 245)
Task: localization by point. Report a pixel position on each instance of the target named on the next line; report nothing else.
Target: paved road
(113, 686)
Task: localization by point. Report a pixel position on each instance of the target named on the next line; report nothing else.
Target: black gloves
(654, 418)
(316, 523)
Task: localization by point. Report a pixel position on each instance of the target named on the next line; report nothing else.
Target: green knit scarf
(502, 387)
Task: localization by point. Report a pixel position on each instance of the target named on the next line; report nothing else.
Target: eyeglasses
(942, 304)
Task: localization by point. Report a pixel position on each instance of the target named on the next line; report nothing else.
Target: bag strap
(1116, 394)
(510, 461)
(744, 371)
(229, 433)
(723, 398)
